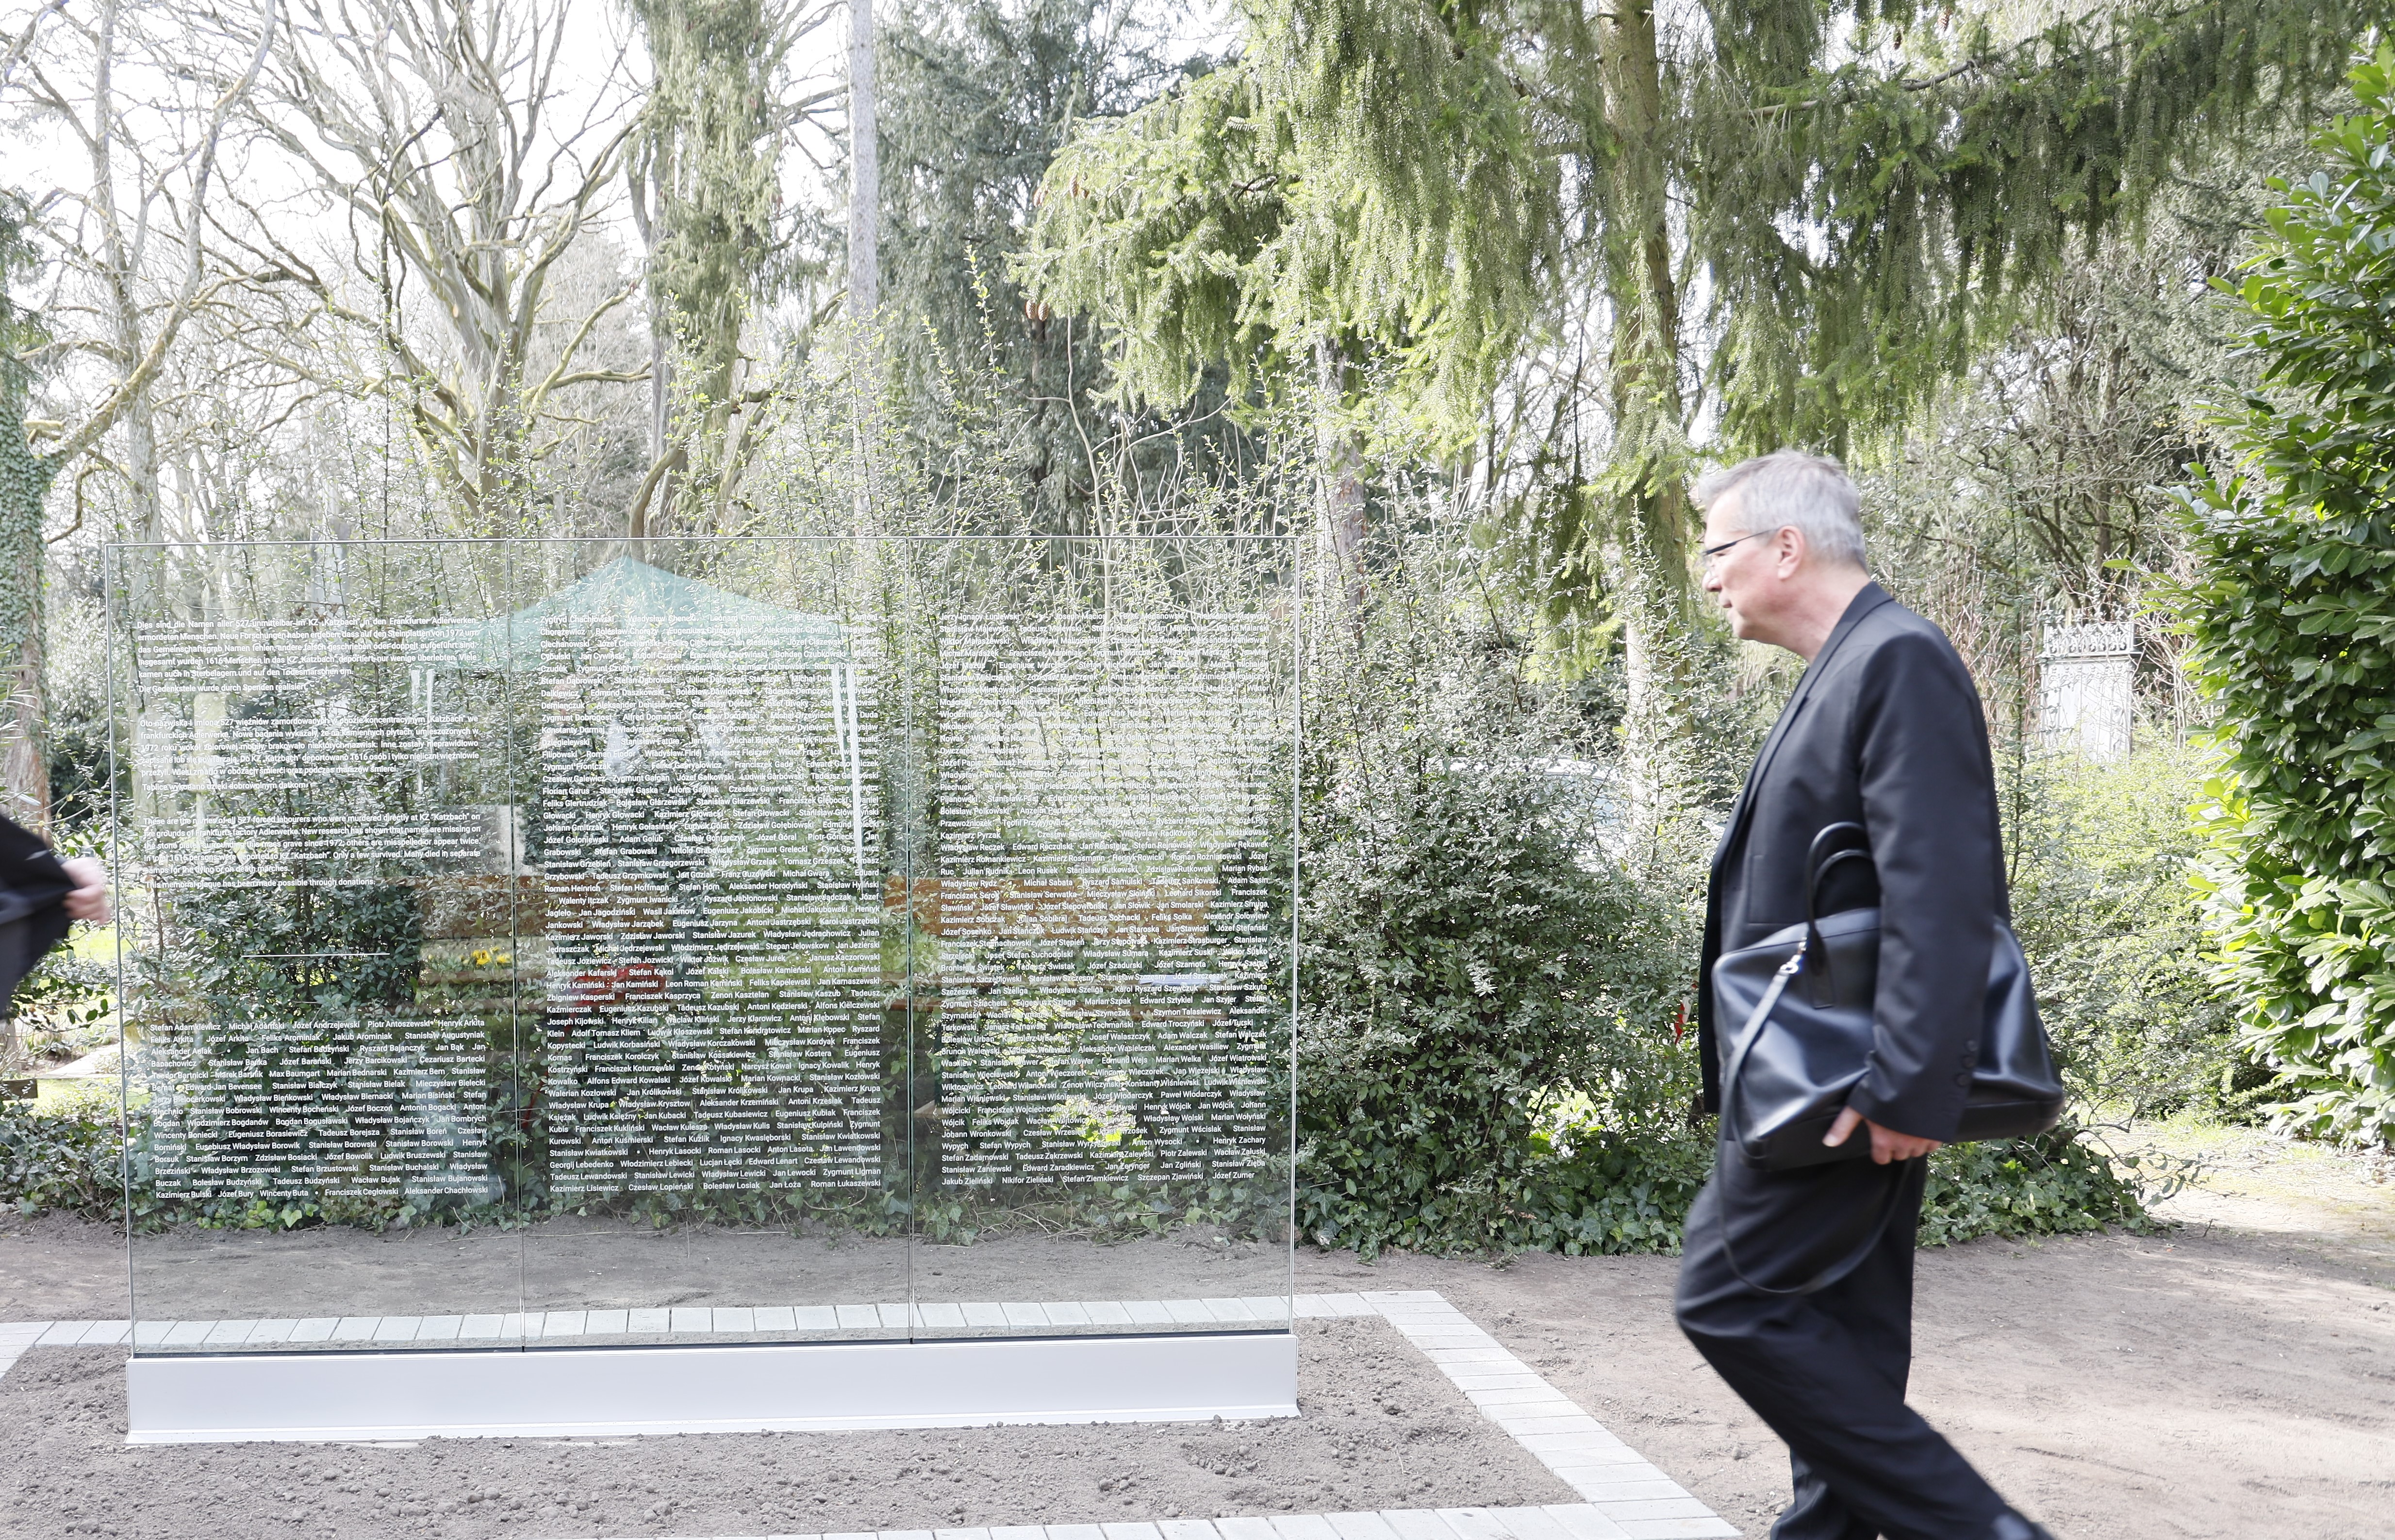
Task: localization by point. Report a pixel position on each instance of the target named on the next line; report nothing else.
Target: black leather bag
(1804, 994)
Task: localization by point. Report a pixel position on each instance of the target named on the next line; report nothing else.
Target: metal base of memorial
(569, 1392)
(559, 980)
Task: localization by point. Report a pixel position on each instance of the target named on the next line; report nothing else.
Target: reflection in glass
(707, 939)
(1096, 904)
(708, 792)
(306, 794)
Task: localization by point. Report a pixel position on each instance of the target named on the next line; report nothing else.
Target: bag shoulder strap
(1756, 1019)
(1835, 1270)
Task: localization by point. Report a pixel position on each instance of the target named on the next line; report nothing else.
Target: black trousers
(1827, 1368)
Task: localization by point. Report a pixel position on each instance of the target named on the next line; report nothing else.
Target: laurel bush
(2291, 609)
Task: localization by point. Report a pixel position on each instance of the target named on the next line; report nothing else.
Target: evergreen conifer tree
(976, 99)
(706, 197)
(1796, 217)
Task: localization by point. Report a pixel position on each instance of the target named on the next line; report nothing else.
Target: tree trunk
(660, 493)
(864, 169)
(1341, 474)
(1646, 550)
(24, 716)
(655, 488)
(140, 432)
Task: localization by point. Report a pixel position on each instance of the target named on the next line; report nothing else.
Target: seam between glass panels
(109, 565)
(520, 1070)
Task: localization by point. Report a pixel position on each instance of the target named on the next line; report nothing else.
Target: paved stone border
(1620, 1485)
(1623, 1496)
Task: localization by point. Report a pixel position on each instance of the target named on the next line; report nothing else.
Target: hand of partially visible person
(88, 899)
(1886, 1143)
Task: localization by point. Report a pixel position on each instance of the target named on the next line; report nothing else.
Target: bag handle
(1816, 863)
(1835, 843)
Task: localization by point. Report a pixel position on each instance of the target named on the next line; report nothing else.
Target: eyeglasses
(1713, 553)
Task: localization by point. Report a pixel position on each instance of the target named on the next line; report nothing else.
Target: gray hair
(1791, 489)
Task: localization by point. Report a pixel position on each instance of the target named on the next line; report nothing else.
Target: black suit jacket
(1884, 729)
(33, 887)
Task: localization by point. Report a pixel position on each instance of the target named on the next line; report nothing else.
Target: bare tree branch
(129, 389)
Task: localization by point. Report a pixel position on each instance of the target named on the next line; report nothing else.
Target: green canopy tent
(642, 599)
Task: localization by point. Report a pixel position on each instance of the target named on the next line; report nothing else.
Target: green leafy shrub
(63, 1007)
(262, 954)
(1466, 965)
(1491, 1049)
(1599, 1192)
(70, 1160)
(2105, 902)
(2292, 611)
(2059, 1183)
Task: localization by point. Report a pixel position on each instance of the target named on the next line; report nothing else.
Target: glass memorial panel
(615, 942)
(1106, 743)
(715, 1022)
(321, 867)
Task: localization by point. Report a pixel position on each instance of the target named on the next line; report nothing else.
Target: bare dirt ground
(2221, 1380)
(2235, 1377)
(1379, 1428)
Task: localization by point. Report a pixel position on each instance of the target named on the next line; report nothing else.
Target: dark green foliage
(976, 99)
(1947, 183)
(2292, 613)
(1866, 191)
(1478, 969)
(1601, 1193)
(70, 1162)
(1466, 965)
(2055, 1184)
(1370, 173)
(299, 953)
(79, 769)
(1607, 1194)
(1494, 223)
(63, 1007)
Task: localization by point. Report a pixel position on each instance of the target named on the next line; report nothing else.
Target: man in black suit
(1797, 1285)
(40, 896)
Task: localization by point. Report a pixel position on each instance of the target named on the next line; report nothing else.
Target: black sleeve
(1928, 797)
(25, 860)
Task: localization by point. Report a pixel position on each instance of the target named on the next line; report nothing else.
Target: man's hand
(1886, 1143)
(88, 899)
